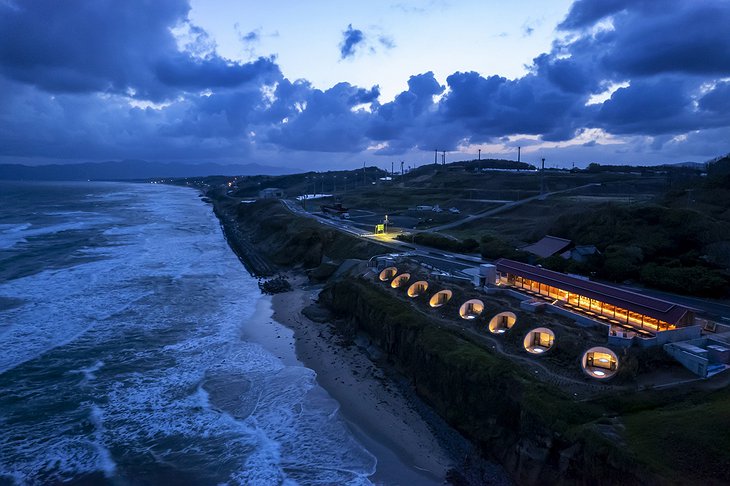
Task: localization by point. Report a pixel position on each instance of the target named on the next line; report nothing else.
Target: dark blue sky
(623, 81)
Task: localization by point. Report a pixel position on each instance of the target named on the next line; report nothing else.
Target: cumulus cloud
(329, 123)
(650, 38)
(108, 80)
(112, 47)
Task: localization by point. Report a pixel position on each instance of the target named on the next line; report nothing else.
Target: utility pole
(443, 158)
(479, 164)
(401, 168)
(480, 154)
(436, 156)
(392, 172)
(518, 153)
(363, 174)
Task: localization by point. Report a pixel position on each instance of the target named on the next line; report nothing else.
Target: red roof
(642, 304)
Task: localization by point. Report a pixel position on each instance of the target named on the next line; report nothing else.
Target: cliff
(539, 434)
(266, 236)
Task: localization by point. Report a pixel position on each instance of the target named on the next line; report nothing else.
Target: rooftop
(643, 304)
(547, 246)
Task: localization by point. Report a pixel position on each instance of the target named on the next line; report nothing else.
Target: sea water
(122, 360)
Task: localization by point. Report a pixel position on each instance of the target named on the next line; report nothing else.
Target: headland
(543, 418)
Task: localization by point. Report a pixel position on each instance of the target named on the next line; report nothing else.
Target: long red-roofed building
(618, 305)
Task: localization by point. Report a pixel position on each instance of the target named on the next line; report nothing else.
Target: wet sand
(378, 413)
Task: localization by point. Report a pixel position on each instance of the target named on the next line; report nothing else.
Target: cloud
(529, 26)
(355, 40)
(180, 72)
(141, 81)
(111, 47)
(351, 39)
(329, 122)
(645, 40)
(585, 13)
(252, 36)
(386, 41)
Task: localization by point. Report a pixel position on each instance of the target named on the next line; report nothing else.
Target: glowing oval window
(502, 322)
(400, 280)
(440, 298)
(471, 309)
(388, 273)
(600, 363)
(417, 288)
(539, 340)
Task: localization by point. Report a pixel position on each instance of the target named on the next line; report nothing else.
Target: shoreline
(377, 412)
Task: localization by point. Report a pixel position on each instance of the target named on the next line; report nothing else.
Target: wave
(167, 383)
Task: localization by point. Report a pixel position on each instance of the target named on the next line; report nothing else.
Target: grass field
(686, 440)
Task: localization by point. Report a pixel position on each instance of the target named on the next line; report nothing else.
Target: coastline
(379, 414)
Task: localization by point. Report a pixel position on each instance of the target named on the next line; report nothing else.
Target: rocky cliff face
(539, 434)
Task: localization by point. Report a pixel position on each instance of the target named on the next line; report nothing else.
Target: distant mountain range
(131, 169)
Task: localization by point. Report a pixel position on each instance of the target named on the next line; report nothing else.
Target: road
(456, 263)
(447, 261)
(505, 207)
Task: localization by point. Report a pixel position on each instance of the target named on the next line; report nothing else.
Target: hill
(130, 169)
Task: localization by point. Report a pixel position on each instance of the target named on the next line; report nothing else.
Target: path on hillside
(505, 207)
(474, 335)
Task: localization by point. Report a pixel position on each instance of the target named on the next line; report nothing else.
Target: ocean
(122, 356)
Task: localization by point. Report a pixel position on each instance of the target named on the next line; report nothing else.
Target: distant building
(335, 210)
(548, 246)
(580, 253)
(272, 193)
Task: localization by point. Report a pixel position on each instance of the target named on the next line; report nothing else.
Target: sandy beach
(380, 415)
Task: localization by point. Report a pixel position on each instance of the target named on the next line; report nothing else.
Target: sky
(323, 85)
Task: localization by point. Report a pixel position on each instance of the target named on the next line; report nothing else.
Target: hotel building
(620, 308)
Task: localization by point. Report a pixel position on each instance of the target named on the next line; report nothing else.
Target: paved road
(444, 260)
(456, 263)
(505, 207)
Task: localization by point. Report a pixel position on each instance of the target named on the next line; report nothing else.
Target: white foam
(19, 233)
(12, 234)
(104, 458)
(89, 372)
(163, 310)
